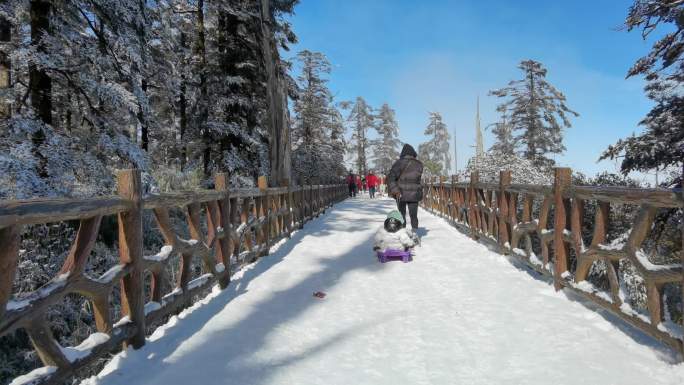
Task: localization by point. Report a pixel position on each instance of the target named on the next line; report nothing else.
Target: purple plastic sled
(394, 255)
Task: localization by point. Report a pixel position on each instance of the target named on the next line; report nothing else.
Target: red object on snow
(372, 180)
(319, 294)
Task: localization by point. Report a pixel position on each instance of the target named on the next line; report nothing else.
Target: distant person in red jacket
(351, 183)
(372, 182)
(359, 186)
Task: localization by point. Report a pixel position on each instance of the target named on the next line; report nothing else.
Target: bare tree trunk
(5, 66)
(278, 122)
(142, 41)
(201, 51)
(40, 84)
(183, 105)
(144, 124)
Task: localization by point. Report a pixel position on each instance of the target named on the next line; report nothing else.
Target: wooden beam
(9, 259)
(130, 252)
(562, 177)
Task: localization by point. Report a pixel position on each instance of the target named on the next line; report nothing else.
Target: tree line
(534, 113)
(178, 87)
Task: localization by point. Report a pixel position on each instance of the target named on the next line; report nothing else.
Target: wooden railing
(508, 215)
(241, 226)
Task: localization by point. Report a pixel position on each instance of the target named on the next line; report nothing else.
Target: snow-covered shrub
(523, 171)
(173, 179)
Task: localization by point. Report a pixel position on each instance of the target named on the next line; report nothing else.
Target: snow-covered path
(458, 314)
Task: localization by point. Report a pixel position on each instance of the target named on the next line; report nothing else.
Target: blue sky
(439, 55)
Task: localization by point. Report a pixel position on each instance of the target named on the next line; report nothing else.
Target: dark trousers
(372, 192)
(352, 190)
(413, 212)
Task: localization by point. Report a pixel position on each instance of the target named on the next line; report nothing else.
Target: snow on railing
(524, 218)
(241, 226)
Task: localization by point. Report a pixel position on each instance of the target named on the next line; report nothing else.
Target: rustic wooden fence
(241, 226)
(503, 214)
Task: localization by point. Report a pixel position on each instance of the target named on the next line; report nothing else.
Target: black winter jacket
(405, 175)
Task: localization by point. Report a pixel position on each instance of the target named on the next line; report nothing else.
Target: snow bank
(75, 353)
(57, 283)
(35, 376)
(646, 263)
(162, 255)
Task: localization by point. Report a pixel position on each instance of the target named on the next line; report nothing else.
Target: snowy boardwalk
(458, 314)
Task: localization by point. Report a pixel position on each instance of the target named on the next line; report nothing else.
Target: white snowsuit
(400, 240)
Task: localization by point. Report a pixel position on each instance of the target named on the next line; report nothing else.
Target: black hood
(408, 151)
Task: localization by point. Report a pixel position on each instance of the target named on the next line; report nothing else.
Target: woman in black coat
(404, 185)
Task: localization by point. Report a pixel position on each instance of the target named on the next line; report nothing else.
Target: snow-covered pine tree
(534, 108)
(112, 84)
(75, 126)
(5, 66)
(435, 153)
(310, 135)
(504, 144)
(236, 138)
(661, 145)
(386, 147)
(338, 144)
(229, 67)
(522, 170)
(361, 118)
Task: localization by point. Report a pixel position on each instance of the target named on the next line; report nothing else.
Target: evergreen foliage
(537, 112)
(318, 127)
(102, 85)
(661, 145)
(504, 144)
(361, 119)
(435, 153)
(387, 145)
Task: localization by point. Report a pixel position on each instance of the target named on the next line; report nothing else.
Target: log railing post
(435, 194)
(130, 252)
(9, 259)
(453, 212)
(561, 182)
(473, 215)
(502, 205)
(265, 206)
(442, 196)
(222, 247)
(289, 218)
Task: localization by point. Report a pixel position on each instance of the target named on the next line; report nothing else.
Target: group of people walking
(370, 183)
(403, 183)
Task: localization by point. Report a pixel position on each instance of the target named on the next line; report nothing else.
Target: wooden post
(473, 215)
(161, 216)
(222, 248)
(130, 252)
(562, 177)
(265, 206)
(86, 236)
(504, 228)
(47, 348)
(453, 212)
(441, 207)
(289, 216)
(9, 259)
